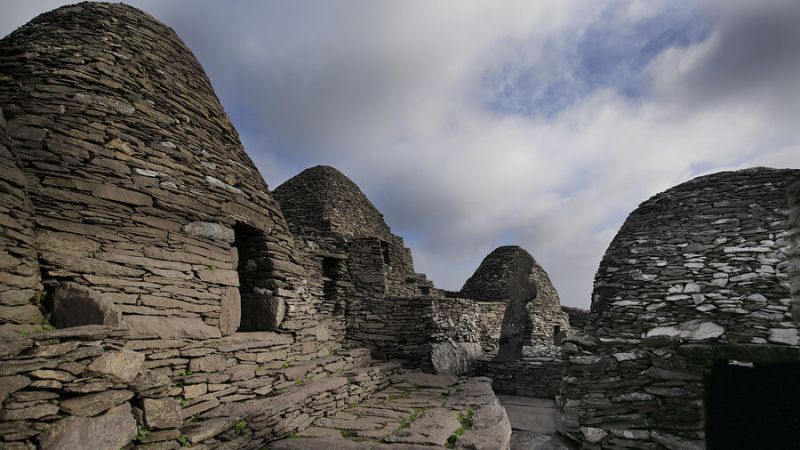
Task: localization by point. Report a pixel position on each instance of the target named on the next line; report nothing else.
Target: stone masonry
(190, 310)
(488, 283)
(136, 175)
(19, 266)
(696, 276)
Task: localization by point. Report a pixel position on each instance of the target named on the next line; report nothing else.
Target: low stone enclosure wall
(433, 333)
(238, 391)
(538, 374)
(694, 287)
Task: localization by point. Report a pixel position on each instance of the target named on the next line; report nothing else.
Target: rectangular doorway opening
(331, 273)
(260, 310)
(752, 406)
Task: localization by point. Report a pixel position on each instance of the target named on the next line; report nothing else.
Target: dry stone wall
(19, 267)
(443, 334)
(137, 177)
(95, 387)
(578, 318)
(538, 373)
(697, 274)
(489, 283)
(794, 245)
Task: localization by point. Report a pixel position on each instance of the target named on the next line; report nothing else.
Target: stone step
(289, 410)
(417, 411)
(298, 372)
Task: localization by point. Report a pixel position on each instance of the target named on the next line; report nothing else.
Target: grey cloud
(392, 94)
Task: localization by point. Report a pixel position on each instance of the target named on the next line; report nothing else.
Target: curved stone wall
(19, 269)
(137, 177)
(695, 278)
(713, 248)
(794, 236)
(490, 281)
(323, 199)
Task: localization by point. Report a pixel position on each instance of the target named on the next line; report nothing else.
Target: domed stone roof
(137, 174)
(490, 280)
(323, 199)
(711, 250)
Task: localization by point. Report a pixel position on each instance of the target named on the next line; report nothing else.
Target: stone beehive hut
(140, 187)
(690, 327)
(490, 281)
(126, 194)
(19, 271)
(323, 202)
(321, 199)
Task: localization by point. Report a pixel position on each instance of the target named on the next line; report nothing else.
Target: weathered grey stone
(171, 327)
(112, 430)
(230, 314)
(593, 435)
(787, 336)
(209, 363)
(263, 312)
(491, 429)
(454, 359)
(521, 289)
(36, 411)
(673, 442)
(209, 230)
(9, 385)
(22, 314)
(162, 412)
(93, 404)
(199, 432)
(76, 305)
(120, 366)
(433, 428)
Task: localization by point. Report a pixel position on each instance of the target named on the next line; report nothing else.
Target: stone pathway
(533, 421)
(418, 411)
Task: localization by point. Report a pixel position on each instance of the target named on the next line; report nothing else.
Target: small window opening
(385, 252)
(331, 268)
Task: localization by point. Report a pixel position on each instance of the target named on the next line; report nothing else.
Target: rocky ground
(417, 411)
(424, 411)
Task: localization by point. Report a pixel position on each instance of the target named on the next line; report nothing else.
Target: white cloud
(418, 102)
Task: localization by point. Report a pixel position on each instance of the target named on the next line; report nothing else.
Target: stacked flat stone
(794, 247)
(19, 267)
(489, 283)
(93, 387)
(355, 264)
(323, 202)
(696, 274)
(136, 174)
(578, 318)
(538, 373)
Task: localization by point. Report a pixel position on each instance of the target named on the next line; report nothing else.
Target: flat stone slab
(533, 423)
(433, 428)
(427, 379)
(415, 413)
(530, 414)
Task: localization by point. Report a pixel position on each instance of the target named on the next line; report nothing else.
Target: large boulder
(112, 430)
(454, 358)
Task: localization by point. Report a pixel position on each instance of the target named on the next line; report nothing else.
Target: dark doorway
(385, 252)
(260, 311)
(557, 335)
(753, 407)
(331, 274)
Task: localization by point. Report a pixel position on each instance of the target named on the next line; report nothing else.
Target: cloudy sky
(476, 124)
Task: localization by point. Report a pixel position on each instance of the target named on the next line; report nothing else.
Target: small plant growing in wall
(240, 426)
(142, 434)
(184, 441)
